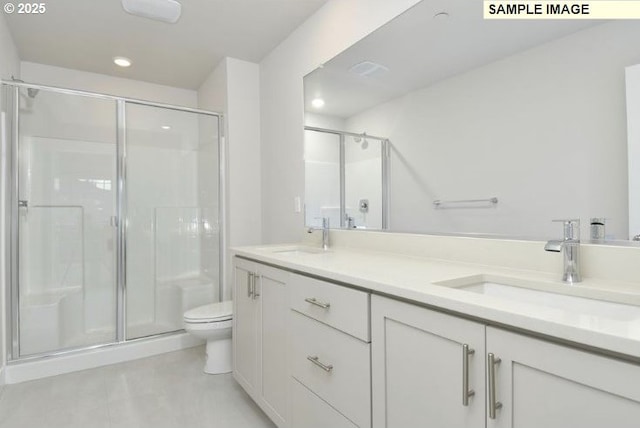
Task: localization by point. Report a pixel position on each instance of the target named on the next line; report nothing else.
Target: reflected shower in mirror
(346, 179)
(531, 113)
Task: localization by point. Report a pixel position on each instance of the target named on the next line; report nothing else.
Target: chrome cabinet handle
(255, 289)
(466, 392)
(250, 284)
(326, 367)
(313, 301)
(494, 405)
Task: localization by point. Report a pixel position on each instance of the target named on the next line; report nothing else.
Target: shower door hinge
(23, 203)
(114, 221)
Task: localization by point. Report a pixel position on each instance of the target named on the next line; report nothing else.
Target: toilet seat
(212, 313)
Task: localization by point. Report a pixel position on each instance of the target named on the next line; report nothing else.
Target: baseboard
(22, 371)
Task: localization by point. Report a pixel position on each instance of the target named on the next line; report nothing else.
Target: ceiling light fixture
(317, 102)
(159, 10)
(441, 15)
(122, 61)
(165, 127)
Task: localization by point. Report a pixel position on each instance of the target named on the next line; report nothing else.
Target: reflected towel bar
(439, 204)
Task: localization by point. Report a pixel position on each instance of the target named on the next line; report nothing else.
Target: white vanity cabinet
(542, 384)
(260, 336)
(422, 369)
(330, 355)
(428, 368)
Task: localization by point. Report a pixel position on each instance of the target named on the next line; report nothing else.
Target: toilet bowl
(212, 323)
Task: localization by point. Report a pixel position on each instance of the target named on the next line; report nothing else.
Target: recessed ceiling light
(317, 102)
(165, 127)
(122, 61)
(441, 15)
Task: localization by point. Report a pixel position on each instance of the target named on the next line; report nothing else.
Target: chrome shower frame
(10, 162)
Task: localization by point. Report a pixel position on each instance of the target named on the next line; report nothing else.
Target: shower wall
(363, 181)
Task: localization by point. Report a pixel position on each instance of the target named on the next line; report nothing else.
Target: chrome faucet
(325, 233)
(571, 246)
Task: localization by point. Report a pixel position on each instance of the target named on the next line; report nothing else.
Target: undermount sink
(551, 296)
(297, 250)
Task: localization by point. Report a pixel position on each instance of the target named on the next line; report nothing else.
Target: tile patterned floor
(165, 391)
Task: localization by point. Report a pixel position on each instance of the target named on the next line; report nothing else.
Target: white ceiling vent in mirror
(160, 10)
(369, 69)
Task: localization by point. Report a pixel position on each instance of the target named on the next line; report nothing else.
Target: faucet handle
(571, 228)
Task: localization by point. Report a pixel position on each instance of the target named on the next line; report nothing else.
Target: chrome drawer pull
(326, 367)
(494, 405)
(250, 285)
(466, 392)
(313, 301)
(254, 288)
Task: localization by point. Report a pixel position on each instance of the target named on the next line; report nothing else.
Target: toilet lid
(219, 311)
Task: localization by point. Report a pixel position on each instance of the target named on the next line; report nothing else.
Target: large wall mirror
(442, 122)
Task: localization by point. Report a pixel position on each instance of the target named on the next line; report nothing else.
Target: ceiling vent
(369, 69)
(159, 10)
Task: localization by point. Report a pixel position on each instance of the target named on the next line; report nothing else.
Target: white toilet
(213, 323)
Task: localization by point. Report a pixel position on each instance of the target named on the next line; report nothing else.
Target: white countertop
(413, 279)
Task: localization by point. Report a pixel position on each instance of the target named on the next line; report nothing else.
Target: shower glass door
(172, 228)
(65, 167)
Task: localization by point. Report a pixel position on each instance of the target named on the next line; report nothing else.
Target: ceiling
(87, 34)
(420, 50)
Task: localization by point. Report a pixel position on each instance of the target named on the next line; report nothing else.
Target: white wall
(93, 82)
(9, 66)
(333, 28)
(543, 130)
(233, 88)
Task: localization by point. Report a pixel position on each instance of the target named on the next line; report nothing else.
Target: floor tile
(164, 391)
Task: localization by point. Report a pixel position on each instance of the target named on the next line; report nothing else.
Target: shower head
(365, 143)
(361, 139)
(32, 92)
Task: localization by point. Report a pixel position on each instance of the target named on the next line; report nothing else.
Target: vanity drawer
(343, 308)
(310, 411)
(334, 365)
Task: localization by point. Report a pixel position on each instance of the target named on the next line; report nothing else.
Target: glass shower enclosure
(114, 217)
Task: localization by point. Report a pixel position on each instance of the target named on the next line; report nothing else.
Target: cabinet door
(273, 311)
(417, 367)
(245, 327)
(541, 384)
